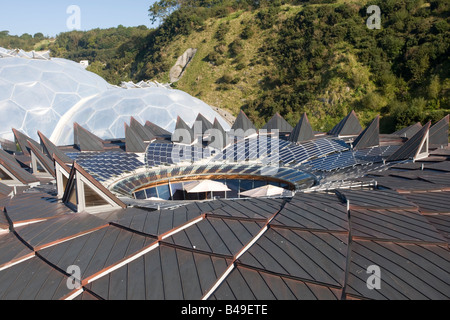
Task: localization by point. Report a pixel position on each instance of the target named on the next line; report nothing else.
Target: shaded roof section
(157, 130)
(35, 279)
(288, 249)
(183, 133)
(22, 140)
(142, 132)
(375, 199)
(278, 122)
(407, 225)
(243, 126)
(50, 149)
(413, 147)
(203, 123)
(15, 172)
(31, 207)
(43, 160)
(370, 137)
(219, 137)
(5, 190)
(90, 194)
(8, 145)
(106, 247)
(134, 142)
(410, 131)
(165, 273)
(217, 235)
(86, 140)
(439, 132)
(348, 126)
(298, 253)
(408, 271)
(246, 283)
(302, 131)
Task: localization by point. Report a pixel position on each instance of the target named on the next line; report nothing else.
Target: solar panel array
(349, 158)
(300, 153)
(106, 165)
(169, 154)
(254, 148)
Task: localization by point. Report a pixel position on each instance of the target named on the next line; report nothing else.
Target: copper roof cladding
(312, 246)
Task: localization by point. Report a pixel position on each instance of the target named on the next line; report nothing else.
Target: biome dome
(105, 114)
(35, 93)
(49, 95)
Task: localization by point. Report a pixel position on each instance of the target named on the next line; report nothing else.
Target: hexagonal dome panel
(40, 92)
(106, 113)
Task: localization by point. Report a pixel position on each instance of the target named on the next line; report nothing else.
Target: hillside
(289, 57)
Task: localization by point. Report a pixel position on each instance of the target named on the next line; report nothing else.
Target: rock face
(180, 66)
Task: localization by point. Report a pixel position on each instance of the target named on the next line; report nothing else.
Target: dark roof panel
(5, 190)
(313, 216)
(377, 199)
(141, 131)
(14, 168)
(409, 131)
(408, 271)
(370, 137)
(309, 256)
(156, 130)
(53, 231)
(97, 251)
(204, 123)
(302, 131)
(183, 132)
(218, 132)
(33, 207)
(431, 202)
(439, 132)
(86, 140)
(250, 284)
(163, 273)
(32, 279)
(50, 149)
(254, 209)
(411, 148)
(12, 249)
(217, 236)
(244, 124)
(133, 141)
(277, 122)
(22, 139)
(394, 225)
(442, 224)
(348, 126)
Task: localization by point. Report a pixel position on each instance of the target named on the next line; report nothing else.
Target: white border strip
(182, 228)
(17, 262)
(124, 262)
(231, 267)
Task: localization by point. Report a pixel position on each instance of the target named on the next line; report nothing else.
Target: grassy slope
(202, 78)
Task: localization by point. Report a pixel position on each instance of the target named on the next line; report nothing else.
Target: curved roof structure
(103, 219)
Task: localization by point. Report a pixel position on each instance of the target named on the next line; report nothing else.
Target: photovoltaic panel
(105, 165)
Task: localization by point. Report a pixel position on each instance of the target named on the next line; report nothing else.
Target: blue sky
(50, 16)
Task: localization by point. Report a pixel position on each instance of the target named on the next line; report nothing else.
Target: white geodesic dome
(36, 93)
(106, 113)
